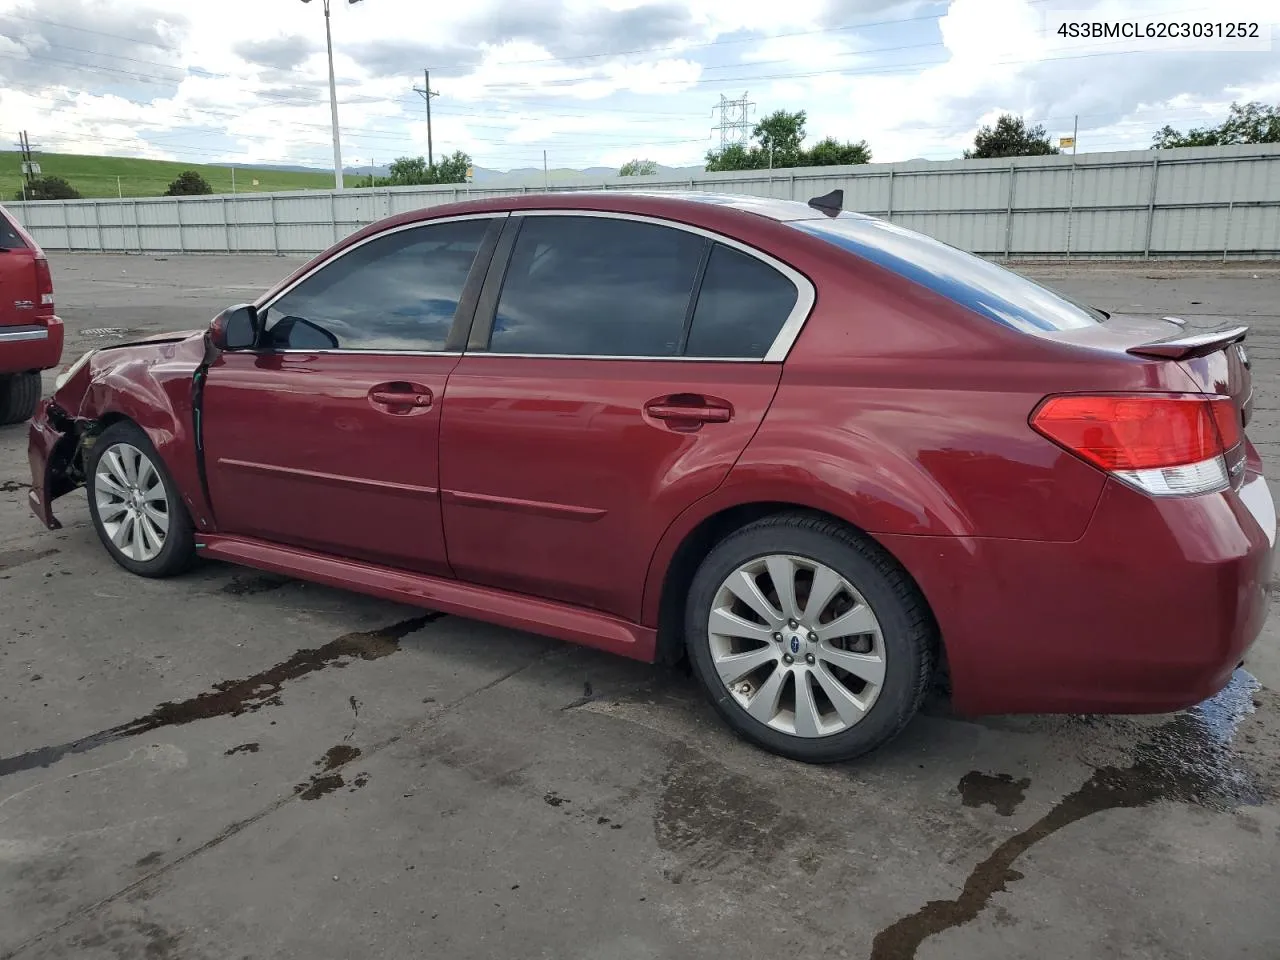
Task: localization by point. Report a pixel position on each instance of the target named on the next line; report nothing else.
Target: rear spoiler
(1185, 348)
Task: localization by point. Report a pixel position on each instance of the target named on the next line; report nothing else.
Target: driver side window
(397, 292)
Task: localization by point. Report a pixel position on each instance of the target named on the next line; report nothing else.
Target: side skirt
(550, 618)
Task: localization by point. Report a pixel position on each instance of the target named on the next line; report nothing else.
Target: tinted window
(399, 292)
(742, 305)
(979, 284)
(593, 286)
(9, 239)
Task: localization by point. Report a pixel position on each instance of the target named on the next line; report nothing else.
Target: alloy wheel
(133, 505)
(796, 645)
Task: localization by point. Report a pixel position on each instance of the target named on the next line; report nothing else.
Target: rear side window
(9, 239)
(742, 305)
(398, 292)
(971, 281)
(596, 286)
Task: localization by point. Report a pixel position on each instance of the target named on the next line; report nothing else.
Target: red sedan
(817, 453)
(30, 333)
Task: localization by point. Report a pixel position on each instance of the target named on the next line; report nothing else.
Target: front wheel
(135, 505)
(809, 639)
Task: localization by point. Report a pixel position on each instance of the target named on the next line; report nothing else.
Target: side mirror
(235, 328)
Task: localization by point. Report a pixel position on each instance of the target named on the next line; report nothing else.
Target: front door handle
(401, 397)
(687, 412)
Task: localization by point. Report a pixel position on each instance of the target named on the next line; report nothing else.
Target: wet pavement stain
(242, 748)
(1000, 791)
(262, 583)
(231, 698)
(16, 558)
(327, 779)
(1186, 760)
(707, 816)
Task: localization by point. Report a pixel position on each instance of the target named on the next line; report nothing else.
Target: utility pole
(30, 169)
(333, 98)
(426, 94)
(1075, 134)
(545, 185)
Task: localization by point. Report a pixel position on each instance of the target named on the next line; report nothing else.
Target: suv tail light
(44, 288)
(1163, 444)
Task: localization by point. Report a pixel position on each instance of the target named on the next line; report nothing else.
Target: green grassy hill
(96, 176)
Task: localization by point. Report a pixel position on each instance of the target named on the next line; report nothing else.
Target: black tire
(178, 550)
(909, 634)
(19, 395)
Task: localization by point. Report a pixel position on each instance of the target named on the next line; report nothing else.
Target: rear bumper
(51, 454)
(1150, 611)
(31, 347)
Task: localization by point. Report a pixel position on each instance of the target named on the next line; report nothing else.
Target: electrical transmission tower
(735, 120)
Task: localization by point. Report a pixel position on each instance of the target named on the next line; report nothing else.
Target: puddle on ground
(244, 586)
(1000, 791)
(327, 779)
(231, 698)
(1185, 760)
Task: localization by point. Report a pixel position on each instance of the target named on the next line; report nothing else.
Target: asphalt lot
(233, 765)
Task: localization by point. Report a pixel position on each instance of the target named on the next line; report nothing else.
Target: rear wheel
(19, 394)
(135, 505)
(809, 639)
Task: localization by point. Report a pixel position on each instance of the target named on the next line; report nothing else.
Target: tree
(1252, 123)
(412, 171)
(1010, 137)
(779, 143)
(452, 169)
(780, 135)
(49, 188)
(189, 184)
(830, 152)
(733, 157)
(408, 171)
(638, 168)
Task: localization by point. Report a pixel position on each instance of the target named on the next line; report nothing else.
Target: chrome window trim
(364, 353)
(607, 356)
(806, 295)
(23, 334)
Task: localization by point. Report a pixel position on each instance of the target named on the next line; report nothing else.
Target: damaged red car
(817, 454)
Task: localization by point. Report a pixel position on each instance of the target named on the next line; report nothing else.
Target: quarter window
(742, 304)
(397, 292)
(596, 286)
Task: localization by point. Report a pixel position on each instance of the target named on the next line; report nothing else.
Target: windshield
(978, 284)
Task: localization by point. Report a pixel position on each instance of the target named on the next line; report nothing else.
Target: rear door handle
(705, 414)
(686, 412)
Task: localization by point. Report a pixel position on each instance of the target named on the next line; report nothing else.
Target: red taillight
(1142, 431)
(44, 288)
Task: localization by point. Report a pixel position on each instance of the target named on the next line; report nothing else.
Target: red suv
(30, 334)
(815, 452)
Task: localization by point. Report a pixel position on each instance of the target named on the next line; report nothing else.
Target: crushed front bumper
(52, 443)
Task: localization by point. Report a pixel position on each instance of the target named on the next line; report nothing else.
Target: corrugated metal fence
(1206, 202)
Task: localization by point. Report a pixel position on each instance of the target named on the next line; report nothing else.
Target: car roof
(655, 202)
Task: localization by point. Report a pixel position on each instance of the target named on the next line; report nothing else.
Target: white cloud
(246, 80)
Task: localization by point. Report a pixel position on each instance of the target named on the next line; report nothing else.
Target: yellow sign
(1065, 142)
(255, 183)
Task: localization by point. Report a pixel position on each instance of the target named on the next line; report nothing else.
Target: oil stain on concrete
(1001, 791)
(1186, 760)
(231, 698)
(327, 779)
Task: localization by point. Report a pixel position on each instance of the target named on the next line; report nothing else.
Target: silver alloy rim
(796, 645)
(132, 503)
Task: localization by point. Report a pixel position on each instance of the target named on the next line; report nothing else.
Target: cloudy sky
(595, 83)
